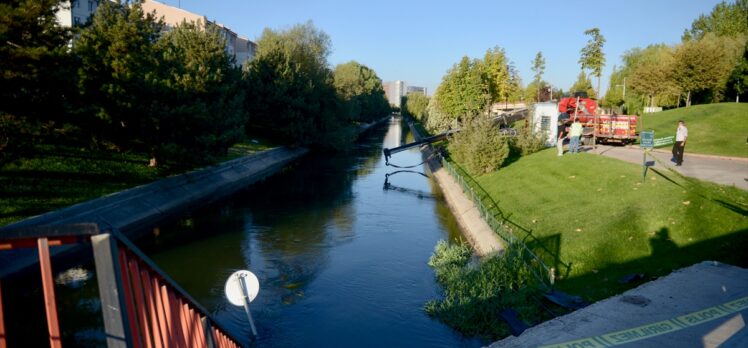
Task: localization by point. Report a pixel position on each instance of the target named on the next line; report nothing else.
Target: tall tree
(652, 76)
(592, 56)
(35, 77)
(583, 84)
(538, 67)
(726, 19)
(119, 75)
(464, 93)
(360, 89)
(200, 111)
(496, 74)
(737, 83)
(704, 65)
(290, 91)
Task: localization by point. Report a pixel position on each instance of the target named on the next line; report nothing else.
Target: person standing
(681, 134)
(575, 133)
(560, 136)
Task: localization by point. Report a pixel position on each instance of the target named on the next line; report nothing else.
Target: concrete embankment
(138, 210)
(480, 236)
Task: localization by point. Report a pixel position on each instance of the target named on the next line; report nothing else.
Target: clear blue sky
(418, 41)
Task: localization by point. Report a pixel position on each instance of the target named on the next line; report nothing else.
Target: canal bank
(480, 236)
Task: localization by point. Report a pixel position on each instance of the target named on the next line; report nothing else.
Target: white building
(394, 90)
(242, 49)
(545, 121)
(76, 12)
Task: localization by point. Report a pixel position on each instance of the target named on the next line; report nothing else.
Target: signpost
(241, 288)
(646, 142)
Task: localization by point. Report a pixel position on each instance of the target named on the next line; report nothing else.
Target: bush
(527, 142)
(474, 296)
(479, 146)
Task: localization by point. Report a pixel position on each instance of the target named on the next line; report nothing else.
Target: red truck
(605, 128)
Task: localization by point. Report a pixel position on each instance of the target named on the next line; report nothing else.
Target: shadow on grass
(665, 257)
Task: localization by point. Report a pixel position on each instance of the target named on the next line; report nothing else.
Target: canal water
(341, 261)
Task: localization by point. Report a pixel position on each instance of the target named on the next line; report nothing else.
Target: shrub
(474, 296)
(526, 142)
(479, 146)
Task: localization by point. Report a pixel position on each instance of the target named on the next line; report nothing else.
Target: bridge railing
(141, 305)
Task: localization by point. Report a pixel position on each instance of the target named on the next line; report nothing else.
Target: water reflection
(341, 261)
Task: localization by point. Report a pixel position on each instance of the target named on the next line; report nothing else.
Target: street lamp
(624, 91)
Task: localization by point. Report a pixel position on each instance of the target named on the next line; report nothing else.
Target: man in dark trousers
(681, 134)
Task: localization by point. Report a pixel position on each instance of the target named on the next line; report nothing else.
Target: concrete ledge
(704, 305)
(480, 236)
(135, 211)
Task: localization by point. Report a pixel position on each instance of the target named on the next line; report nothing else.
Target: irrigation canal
(342, 261)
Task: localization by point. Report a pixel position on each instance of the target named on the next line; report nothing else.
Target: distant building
(242, 49)
(415, 89)
(394, 90)
(76, 12)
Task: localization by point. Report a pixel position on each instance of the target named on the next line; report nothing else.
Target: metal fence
(140, 304)
(545, 275)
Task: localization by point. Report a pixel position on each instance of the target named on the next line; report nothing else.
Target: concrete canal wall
(480, 236)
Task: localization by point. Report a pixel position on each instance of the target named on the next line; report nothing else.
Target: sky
(418, 41)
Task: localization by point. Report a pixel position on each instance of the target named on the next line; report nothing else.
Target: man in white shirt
(681, 134)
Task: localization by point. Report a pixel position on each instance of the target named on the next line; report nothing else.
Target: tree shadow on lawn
(665, 257)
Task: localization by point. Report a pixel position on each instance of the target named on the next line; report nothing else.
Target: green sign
(664, 141)
(646, 140)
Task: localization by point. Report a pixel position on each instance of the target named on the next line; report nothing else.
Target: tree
(463, 94)
(583, 84)
(290, 91)
(725, 20)
(652, 76)
(361, 91)
(35, 76)
(415, 106)
(592, 56)
(119, 76)
(497, 74)
(479, 146)
(703, 66)
(538, 67)
(737, 83)
(200, 112)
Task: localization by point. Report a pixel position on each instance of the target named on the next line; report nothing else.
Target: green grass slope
(593, 213)
(715, 129)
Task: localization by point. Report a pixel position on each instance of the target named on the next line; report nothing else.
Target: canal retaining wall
(480, 236)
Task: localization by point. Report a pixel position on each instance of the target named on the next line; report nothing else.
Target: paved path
(704, 305)
(721, 170)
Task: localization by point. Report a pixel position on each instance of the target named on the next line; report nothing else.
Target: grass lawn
(594, 214)
(715, 129)
(64, 176)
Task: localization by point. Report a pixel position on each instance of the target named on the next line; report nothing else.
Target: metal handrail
(141, 305)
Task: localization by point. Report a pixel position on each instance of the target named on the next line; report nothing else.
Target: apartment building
(76, 12)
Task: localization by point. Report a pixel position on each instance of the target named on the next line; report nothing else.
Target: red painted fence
(141, 305)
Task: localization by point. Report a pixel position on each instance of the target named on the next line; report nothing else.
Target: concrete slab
(704, 305)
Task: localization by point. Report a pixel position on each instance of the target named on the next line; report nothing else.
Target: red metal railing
(141, 305)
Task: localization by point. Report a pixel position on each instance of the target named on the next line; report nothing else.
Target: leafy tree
(583, 84)
(415, 106)
(726, 19)
(361, 91)
(538, 67)
(737, 83)
(652, 75)
(201, 112)
(438, 121)
(290, 89)
(703, 66)
(592, 56)
(35, 77)
(119, 76)
(463, 94)
(497, 74)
